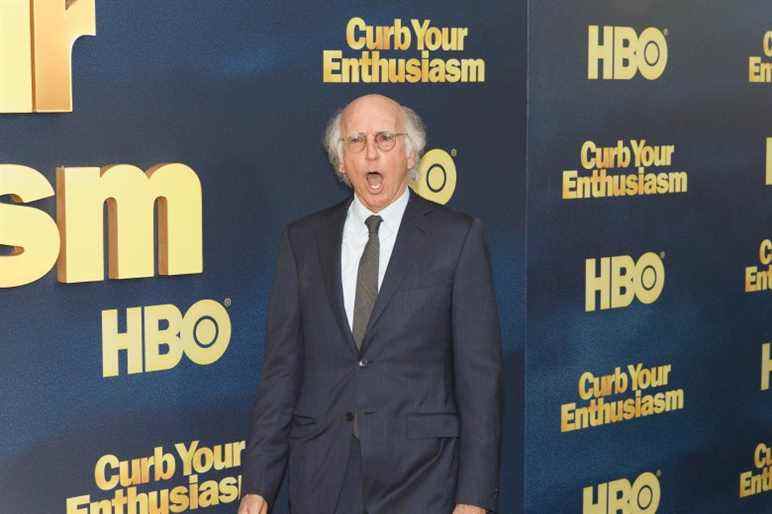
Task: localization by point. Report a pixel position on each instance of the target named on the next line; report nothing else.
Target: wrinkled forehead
(371, 115)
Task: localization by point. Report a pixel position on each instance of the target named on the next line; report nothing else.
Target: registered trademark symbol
(661, 255)
(659, 473)
(666, 32)
(227, 302)
(453, 152)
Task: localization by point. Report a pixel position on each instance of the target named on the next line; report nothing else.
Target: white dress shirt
(355, 235)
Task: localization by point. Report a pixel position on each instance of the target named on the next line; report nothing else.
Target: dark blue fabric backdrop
(703, 324)
(232, 89)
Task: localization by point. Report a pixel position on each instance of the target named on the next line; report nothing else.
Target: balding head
(409, 122)
(373, 103)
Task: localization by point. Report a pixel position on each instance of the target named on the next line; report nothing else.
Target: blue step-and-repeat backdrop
(145, 179)
(648, 257)
(618, 152)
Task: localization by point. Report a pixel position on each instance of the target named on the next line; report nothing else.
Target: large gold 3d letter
(131, 197)
(31, 232)
(15, 56)
(36, 40)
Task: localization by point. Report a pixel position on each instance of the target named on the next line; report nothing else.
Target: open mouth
(374, 181)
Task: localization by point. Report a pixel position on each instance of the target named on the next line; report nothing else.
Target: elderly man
(381, 386)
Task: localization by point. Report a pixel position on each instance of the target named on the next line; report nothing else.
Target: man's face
(378, 177)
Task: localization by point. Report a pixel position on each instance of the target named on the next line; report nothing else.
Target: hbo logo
(436, 177)
(621, 497)
(621, 53)
(620, 279)
(203, 334)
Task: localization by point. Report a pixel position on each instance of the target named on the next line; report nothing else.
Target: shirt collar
(391, 214)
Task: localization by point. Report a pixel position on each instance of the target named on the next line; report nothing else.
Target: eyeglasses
(384, 140)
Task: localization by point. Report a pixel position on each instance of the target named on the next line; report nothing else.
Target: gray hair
(416, 141)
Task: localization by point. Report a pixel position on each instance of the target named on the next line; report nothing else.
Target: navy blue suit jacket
(426, 386)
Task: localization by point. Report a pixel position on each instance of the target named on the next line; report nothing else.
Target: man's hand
(462, 508)
(253, 504)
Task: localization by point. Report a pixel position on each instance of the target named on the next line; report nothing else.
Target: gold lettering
(567, 419)
(31, 232)
(56, 27)
(600, 52)
(186, 454)
(331, 60)
(114, 342)
(765, 252)
(130, 196)
(155, 337)
(353, 40)
(760, 456)
(746, 482)
(420, 29)
(585, 385)
(78, 504)
(589, 506)
(104, 463)
(15, 56)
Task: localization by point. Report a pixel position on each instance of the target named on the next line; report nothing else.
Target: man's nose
(371, 151)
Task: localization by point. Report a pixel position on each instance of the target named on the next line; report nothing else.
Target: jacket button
(349, 416)
(363, 363)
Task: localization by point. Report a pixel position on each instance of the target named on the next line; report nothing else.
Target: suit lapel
(407, 251)
(329, 241)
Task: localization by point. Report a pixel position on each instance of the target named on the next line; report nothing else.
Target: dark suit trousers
(350, 500)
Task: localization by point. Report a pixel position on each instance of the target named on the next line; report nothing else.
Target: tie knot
(373, 222)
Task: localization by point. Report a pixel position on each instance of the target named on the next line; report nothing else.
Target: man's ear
(411, 160)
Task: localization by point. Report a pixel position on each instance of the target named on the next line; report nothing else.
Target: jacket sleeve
(477, 368)
(266, 452)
